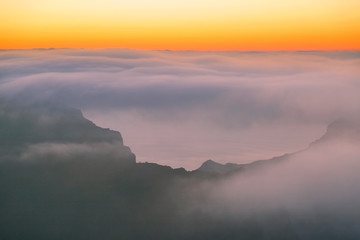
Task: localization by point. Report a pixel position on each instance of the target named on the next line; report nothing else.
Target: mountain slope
(44, 131)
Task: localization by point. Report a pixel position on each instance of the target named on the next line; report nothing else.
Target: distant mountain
(211, 166)
(35, 124)
(52, 129)
(340, 130)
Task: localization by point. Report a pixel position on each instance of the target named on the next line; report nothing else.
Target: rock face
(52, 132)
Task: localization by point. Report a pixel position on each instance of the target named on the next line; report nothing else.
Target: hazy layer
(181, 108)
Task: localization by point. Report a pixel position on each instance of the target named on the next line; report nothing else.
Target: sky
(181, 24)
(182, 108)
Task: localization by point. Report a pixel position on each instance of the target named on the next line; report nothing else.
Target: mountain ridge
(43, 128)
(22, 126)
(344, 129)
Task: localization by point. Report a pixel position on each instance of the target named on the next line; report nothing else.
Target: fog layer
(181, 108)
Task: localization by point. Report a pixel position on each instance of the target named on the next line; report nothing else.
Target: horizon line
(187, 50)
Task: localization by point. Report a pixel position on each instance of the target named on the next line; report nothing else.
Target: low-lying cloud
(73, 151)
(315, 190)
(201, 94)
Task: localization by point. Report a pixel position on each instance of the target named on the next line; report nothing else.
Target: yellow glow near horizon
(181, 24)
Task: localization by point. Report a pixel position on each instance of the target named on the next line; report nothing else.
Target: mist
(309, 194)
(322, 177)
(65, 175)
(181, 108)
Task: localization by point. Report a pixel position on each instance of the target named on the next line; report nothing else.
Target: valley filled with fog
(130, 144)
(182, 108)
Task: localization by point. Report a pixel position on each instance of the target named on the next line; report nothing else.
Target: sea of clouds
(182, 108)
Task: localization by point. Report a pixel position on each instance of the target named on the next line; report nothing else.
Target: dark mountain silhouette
(58, 182)
(23, 126)
(212, 167)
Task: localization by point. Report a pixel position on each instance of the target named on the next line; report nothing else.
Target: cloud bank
(218, 105)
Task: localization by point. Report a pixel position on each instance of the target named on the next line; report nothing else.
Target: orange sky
(181, 24)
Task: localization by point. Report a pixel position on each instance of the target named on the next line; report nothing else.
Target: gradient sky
(181, 24)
